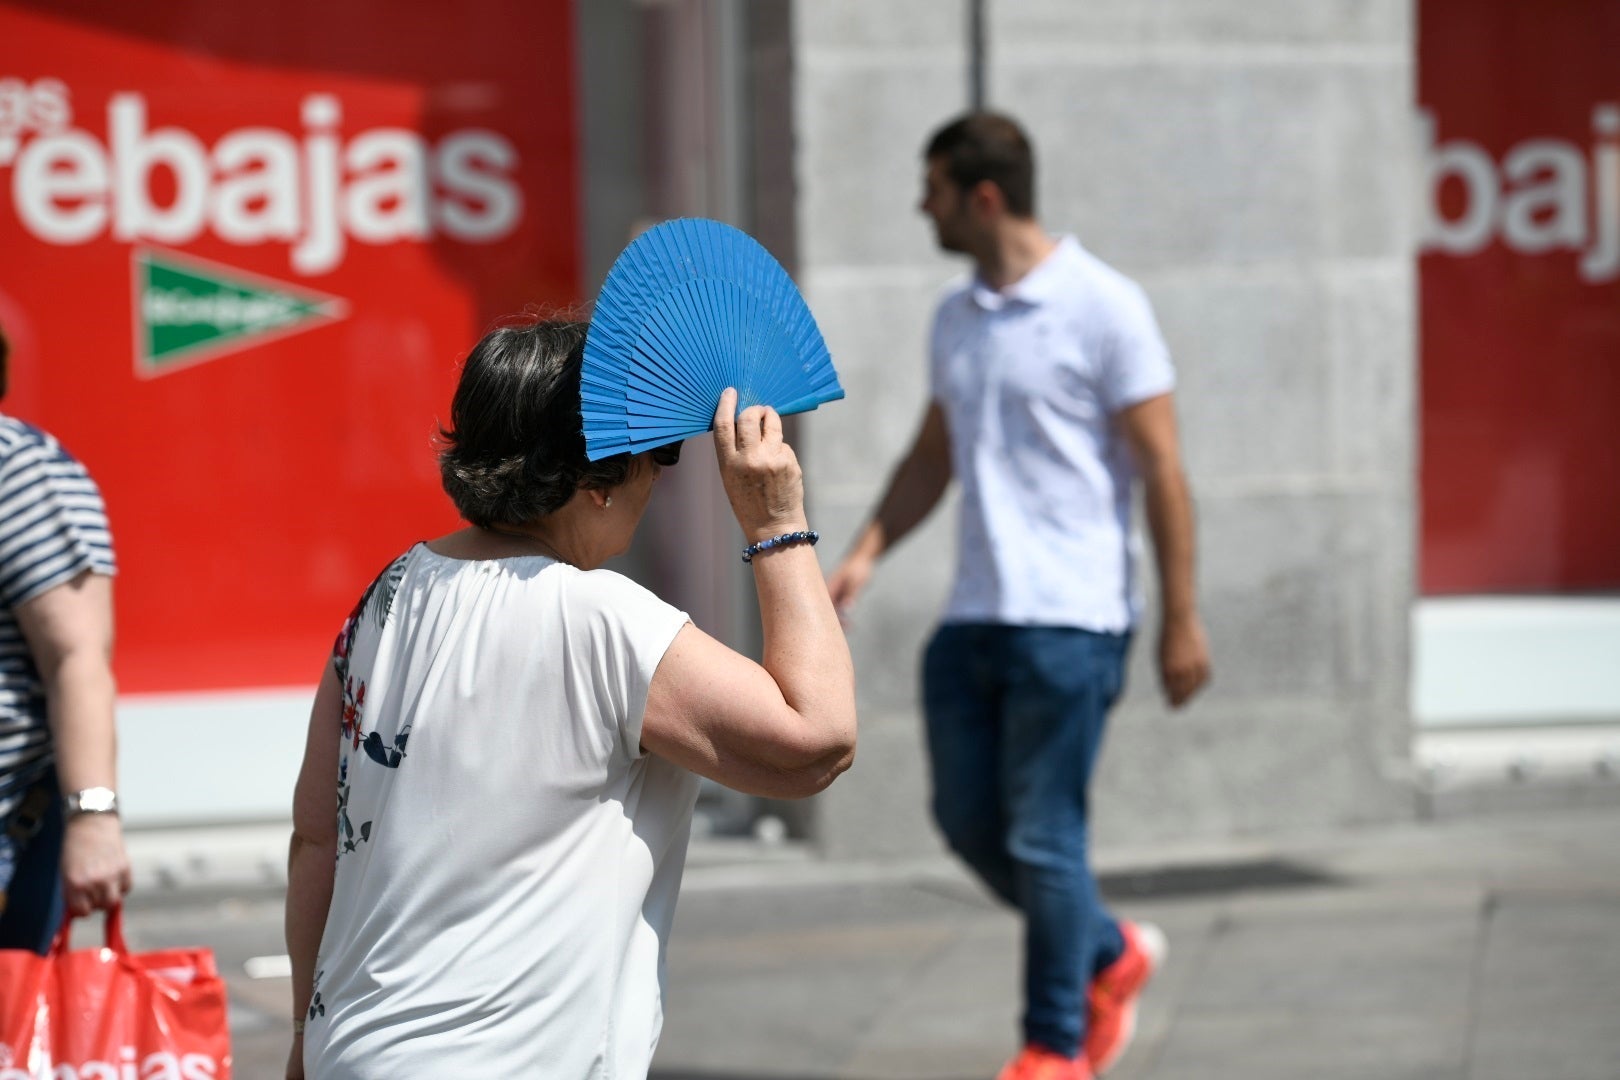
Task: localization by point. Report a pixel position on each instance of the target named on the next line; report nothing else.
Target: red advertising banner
(1520, 307)
(244, 247)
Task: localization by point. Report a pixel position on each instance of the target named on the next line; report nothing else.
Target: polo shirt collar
(1044, 282)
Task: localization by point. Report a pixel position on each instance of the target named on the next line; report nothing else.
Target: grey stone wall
(1249, 162)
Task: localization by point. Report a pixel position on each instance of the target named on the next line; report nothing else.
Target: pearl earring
(607, 502)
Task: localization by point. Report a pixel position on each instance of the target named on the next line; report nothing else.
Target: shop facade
(246, 249)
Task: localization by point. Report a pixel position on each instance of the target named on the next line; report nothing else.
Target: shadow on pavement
(1214, 879)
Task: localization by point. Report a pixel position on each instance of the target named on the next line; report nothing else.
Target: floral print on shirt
(369, 617)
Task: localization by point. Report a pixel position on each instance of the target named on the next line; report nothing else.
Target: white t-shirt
(508, 857)
(1029, 379)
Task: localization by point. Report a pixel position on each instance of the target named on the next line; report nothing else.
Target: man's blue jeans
(1015, 719)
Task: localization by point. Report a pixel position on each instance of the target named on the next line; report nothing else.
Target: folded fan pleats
(691, 307)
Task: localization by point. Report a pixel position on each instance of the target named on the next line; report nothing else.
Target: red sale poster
(244, 248)
(1520, 306)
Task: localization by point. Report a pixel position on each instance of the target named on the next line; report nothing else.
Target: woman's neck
(528, 538)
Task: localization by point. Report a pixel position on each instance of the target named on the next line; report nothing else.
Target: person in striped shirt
(61, 844)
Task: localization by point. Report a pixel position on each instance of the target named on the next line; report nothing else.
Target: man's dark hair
(516, 448)
(988, 146)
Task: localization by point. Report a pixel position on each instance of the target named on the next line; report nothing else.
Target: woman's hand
(760, 472)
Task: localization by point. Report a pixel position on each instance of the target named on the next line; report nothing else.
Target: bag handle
(112, 929)
(59, 944)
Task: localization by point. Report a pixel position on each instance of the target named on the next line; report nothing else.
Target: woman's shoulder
(607, 587)
(373, 607)
(378, 596)
(614, 598)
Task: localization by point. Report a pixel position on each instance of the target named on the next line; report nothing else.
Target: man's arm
(1149, 428)
(69, 630)
(914, 490)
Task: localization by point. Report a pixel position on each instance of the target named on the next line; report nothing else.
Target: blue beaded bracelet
(808, 536)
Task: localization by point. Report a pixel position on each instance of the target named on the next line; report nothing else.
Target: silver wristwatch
(92, 800)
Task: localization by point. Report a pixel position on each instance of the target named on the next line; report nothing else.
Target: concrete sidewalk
(1468, 950)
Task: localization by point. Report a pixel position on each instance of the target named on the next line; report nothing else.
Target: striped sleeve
(53, 525)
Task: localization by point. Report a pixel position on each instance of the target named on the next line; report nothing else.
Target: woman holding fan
(514, 737)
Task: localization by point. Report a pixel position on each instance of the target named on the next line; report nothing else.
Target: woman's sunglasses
(666, 455)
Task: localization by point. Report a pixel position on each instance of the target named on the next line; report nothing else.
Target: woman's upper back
(503, 843)
(469, 650)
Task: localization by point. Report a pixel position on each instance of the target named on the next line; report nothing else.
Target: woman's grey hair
(515, 450)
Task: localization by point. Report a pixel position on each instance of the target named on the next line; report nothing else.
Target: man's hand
(848, 582)
(918, 483)
(295, 1059)
(1183, 659)
(95, 868)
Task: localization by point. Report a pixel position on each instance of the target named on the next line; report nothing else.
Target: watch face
(96, 800)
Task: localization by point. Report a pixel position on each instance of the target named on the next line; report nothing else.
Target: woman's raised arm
(784, 728)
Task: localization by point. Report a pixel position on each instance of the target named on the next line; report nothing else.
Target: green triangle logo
(189, 310)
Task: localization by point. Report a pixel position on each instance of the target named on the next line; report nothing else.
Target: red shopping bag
(109, 1014)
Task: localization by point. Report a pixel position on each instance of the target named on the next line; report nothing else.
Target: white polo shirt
(1029, 379)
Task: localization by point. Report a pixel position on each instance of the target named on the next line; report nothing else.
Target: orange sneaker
(1111, 1001)
(1038, 1063)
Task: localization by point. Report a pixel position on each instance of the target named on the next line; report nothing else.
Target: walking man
(1051, 392)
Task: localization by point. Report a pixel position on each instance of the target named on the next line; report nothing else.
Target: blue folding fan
(689, 308)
